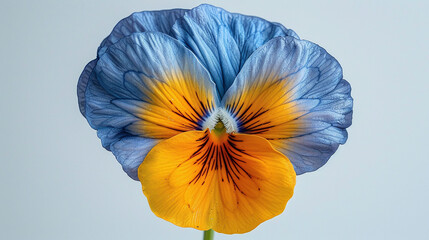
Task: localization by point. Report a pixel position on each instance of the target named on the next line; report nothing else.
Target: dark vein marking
(225, 156)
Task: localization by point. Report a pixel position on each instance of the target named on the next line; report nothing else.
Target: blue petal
(312, 150)
(111, 123)
(83, 82)
(308, 72)
(100, 112)
(223, 41)
(130, 153)
(309, 152)
(122, 70)
(109, 136)
(154, 21)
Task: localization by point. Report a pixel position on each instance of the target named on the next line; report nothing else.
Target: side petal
(146, 21)
(109, 136)
(86, 74)
(99, 110)
(130, 152)
(110, 122)
(158, 81)
(229, 184)
(223, 41)
(291, 92)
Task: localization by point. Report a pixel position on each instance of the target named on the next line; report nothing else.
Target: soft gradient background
(57, 182)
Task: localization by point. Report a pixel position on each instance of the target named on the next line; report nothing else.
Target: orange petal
(229, 183)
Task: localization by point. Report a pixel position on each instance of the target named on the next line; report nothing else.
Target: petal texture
(130, 152)
(229, 183)
(223, 41)
(146, 21)
(83, 83)
(291, 92)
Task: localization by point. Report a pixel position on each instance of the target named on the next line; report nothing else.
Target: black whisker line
(225, 156)
(253, 126)
(253, 116)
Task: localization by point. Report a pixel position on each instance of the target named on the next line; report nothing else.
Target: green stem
(208, 235)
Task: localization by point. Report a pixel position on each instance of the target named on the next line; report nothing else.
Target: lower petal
(229, 183)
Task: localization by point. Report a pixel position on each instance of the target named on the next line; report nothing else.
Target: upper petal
(291, 92)
(154, 21)
(223, 41)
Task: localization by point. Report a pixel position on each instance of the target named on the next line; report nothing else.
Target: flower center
(220, 122)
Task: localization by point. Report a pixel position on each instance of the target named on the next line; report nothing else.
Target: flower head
(214, 112)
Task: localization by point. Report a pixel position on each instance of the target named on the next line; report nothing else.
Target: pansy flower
(214, 112)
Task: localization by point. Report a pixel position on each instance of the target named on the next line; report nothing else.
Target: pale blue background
(57, 182)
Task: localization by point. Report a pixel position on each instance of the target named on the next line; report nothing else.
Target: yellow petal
(229, 183)
(178, 104)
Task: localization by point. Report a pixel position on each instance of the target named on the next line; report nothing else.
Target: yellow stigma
(219, 129)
